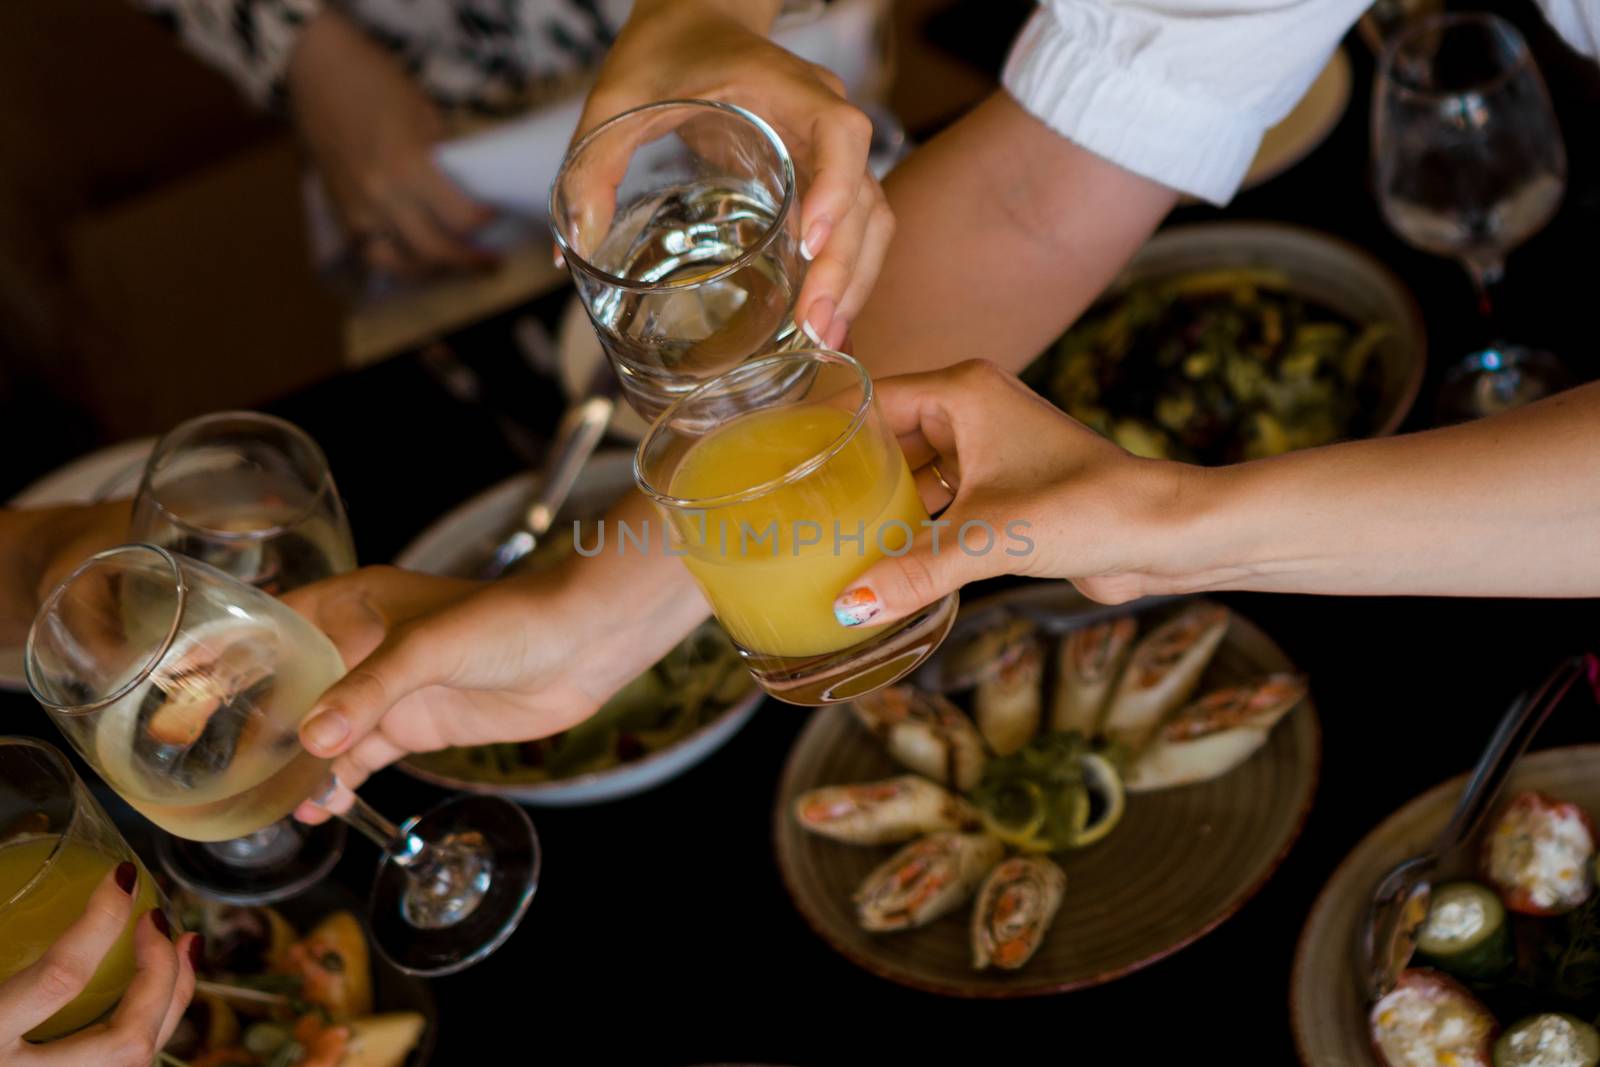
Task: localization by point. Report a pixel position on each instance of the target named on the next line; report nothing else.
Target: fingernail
(814, 239)
(561, 261)
(159, 921)
(197, 950)
(819, 322)
(127, 876)
(323, 731)
(836, 333)
(856, 606)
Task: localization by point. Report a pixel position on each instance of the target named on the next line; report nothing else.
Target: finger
(841, 137)
(56, 978)
(869, 260)
(138, 1019)
(457, 211)
(353, 706)
(935, 497)
(914, 407)
(191, 949)
(829, 276)
(427, 241)
(385, 254)
(897, 586)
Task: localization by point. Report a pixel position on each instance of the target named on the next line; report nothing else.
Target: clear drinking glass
(776, 502)
(185, 689)
(680, 226)
(56, 845)
(251, 495)
(1470, 164)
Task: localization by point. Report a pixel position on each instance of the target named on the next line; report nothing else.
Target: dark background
(661, 932)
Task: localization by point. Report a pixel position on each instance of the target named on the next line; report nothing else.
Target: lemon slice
(1015, 812)
(1107, 800)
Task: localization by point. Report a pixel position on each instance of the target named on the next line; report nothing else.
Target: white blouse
(1181, 91)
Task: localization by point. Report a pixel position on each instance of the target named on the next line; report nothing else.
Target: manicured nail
(127, 876)
(819, 322)
(159, 921)
(814, 239)
(856, 606)
(557, 258)
(197, 950)
(837, 333)
(323, 731)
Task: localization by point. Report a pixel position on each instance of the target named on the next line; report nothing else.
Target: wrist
(754, 15)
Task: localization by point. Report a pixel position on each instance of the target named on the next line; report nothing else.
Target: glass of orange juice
(780, 483)
(56, 845)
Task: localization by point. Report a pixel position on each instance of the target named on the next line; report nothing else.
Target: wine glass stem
(1486, 273)
(446, 879)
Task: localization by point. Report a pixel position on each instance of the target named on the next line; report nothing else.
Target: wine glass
(679, 223)
(56, 845)
(776, 501)
(252, 495)
(185, 688)
(1470, 164)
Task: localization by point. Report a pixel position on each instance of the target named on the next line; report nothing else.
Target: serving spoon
(1399, 903)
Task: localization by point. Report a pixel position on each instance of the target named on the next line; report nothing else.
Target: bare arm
(1006, 232)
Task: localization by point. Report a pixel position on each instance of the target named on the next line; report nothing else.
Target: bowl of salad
(1231, 341)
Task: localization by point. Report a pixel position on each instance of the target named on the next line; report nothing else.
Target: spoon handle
(1522, 720)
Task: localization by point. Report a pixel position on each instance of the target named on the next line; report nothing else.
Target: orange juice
(51, 902)
(772, 565)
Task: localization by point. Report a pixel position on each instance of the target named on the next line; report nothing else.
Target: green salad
(1215, 367)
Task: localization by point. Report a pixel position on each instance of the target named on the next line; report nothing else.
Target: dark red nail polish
(127, 876)
(197, 950)
(159, 921)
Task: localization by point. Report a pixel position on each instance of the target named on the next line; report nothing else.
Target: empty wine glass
(253, 496)
(1470, 164)
(185, 689)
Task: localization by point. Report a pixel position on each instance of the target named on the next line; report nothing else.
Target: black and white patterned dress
(488, 56)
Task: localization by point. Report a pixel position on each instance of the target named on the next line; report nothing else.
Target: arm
(40, 546)
(1506, 506)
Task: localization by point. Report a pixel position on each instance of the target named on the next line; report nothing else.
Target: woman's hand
(438, 662)
(716, 50)
(1036, 493)
(371, 132)
(163, 981)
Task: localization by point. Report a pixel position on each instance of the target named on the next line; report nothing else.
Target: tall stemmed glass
(56, 845)
(185, 689)
(251, 495)
(680, 224)
(1470, 164)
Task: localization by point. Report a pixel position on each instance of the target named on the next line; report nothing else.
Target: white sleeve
(1179, 91)
(1578, 21)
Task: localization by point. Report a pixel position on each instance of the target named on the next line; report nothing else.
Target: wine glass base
(277, 863)
(1498, 378)
(446, 921)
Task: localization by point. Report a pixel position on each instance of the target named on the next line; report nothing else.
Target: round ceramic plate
(456, 543)
(1180, 862)
(1327, 1010)
(104, 475)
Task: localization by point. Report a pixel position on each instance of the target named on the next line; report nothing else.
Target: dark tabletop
(662, 934)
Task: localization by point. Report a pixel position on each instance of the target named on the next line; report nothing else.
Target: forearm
(250, 44)
(634, 603)
(1005, 232)
(1506, 506)
(756, 15)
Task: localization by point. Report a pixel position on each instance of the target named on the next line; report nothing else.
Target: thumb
(353, 706)
(940, 561)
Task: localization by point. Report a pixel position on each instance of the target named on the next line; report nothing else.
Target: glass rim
(794, 474)
(578, 262)
(166, 442)
(181, 587)
(1441, 21)
(70, 778)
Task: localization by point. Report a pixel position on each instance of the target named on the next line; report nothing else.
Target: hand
(438, 662)
(1049, 497)
(371, 132)
(162, 984)
(41, 546)
(714, 50)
